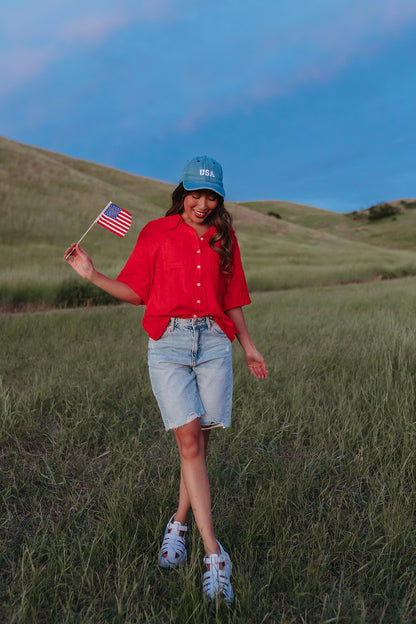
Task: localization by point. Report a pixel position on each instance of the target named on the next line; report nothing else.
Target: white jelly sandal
(172, 553)
(216, 581)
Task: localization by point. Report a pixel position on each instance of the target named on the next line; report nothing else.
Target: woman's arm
(80, 261)
(254, 359)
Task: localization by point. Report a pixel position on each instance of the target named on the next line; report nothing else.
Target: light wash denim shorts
(191, 373)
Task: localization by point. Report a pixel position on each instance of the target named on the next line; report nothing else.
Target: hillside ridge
(47, 201)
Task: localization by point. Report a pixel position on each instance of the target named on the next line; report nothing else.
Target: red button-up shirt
(176, 273)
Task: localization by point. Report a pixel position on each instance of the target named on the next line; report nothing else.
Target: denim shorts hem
(204, 427)
(169, 426)
(215, 425)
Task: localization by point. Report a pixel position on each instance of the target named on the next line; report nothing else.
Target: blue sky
(311, 101)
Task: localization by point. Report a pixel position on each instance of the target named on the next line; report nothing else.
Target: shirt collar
(176, 220)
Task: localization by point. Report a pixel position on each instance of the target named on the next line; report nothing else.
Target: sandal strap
(176, 526)
(215, 559)
(173, 551)
(216, 580)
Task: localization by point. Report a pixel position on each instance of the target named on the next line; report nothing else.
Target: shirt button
(202, 238)
(194, 315)
(198, 266)
(198, 251)
(198, 284)
(198, 301)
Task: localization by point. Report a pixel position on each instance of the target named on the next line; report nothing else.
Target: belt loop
(210, 322)
(172, 323)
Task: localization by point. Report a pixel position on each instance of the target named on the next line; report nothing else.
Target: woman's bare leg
(184, 500)
(195, 489)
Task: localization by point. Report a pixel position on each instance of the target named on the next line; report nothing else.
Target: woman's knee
(190, 440)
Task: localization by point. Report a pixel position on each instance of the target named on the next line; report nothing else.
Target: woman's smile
(197, 206)
(201, 214)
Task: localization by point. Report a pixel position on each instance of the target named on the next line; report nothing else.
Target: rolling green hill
(48, 200)
(395, 231)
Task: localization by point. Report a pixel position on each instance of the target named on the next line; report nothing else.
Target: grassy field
(394, 232)
(48, 200)
(313, 485)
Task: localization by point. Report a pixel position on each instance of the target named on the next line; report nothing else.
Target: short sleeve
(236, 291)
(137, 272)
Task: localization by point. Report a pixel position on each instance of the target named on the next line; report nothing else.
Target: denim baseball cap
(202, 172)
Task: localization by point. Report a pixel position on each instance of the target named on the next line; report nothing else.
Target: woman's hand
(83, 265)
(255, 362)
(79, 261)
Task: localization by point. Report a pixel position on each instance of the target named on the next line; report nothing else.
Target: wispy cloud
(37, 36)
(91, 29)
(96, 25)
(208, 62)
(306, 53)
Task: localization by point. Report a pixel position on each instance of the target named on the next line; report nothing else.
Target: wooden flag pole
(91, 226)
(94, 222)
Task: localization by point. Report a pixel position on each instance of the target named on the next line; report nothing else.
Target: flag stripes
(115, 219)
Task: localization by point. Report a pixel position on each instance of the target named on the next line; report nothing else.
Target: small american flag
(115, 219)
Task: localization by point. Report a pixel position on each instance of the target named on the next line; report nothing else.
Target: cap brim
(197, 186)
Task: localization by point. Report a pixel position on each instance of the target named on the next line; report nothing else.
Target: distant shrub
(407, 204)
(26, 295)
(73, 293)
(274, 214)
(358, 214)
(382, 210)
(395, 273)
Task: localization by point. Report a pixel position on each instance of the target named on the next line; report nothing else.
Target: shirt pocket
(173, 256)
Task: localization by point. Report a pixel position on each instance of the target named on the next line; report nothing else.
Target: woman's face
(197, 206)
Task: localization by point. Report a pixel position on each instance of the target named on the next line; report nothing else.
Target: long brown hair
(219, 217)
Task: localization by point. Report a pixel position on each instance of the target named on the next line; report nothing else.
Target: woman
(186, 269)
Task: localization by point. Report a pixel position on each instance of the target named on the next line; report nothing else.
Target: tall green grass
(48, 201)
(393, 232)
(289, 262)
(313, 486)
